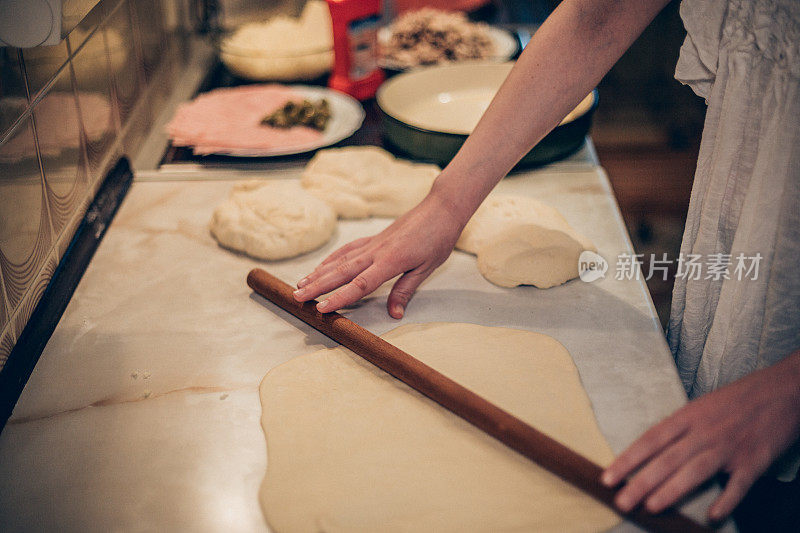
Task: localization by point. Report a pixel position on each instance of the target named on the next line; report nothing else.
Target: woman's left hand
(739, 429)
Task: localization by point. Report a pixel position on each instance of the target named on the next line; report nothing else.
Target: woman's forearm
(565, 59)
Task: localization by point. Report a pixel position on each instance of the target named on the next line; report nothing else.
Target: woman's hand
(413, 246)
(739, 429)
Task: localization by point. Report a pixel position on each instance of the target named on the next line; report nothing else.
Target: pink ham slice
(229, 121)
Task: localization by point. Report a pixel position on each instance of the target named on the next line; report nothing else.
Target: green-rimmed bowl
(428, 113)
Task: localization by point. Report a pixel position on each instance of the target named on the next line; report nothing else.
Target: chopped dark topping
(306, 113)
(430, 36)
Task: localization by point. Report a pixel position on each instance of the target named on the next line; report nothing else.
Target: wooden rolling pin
(511, 431)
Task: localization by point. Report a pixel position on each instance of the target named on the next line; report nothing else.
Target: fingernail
(653, 505)
(607, 479)
(323, 306)
(302, 283)
(299, 293)
(624, 503)
(398, 311)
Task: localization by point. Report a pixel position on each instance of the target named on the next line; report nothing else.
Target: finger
(361, 285)
(344, 272)
(342, 263)
(403, 291)
(339, 254)
(358, 243)
(736, 488)
(694, 472)
(649, 444)
(654, 473)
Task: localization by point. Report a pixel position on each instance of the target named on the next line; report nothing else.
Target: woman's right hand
(412, 247)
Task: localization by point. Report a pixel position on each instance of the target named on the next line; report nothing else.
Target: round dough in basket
(364, 181)
(499, 212)
(272, 220)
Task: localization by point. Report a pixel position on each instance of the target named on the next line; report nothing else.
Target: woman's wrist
(443, 199)
(461, 191)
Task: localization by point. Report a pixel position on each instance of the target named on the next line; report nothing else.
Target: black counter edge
(34, 337)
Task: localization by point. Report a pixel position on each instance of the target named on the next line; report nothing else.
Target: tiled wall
(67, 113)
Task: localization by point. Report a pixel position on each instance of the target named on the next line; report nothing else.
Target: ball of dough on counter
(530, 255)
(500, 212)
(364, 181)
(272, 220)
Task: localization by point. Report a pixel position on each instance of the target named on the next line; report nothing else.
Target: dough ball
(272, 220)
(500, 212)
(530, 255)
(364, 181)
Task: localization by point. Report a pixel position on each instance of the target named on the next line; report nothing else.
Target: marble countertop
(143, 413)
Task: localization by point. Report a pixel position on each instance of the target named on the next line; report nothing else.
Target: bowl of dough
(282, 48)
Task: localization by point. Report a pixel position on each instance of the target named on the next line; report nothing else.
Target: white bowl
(450, 99)
(261, 65)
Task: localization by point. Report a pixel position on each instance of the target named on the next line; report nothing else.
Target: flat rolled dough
(272, 220)
(530, 255)
(499, 212)
(352, 449)
(365, 181)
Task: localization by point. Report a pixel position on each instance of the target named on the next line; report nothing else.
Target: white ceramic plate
(451, 98)
(505, 46)
(347, 115)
